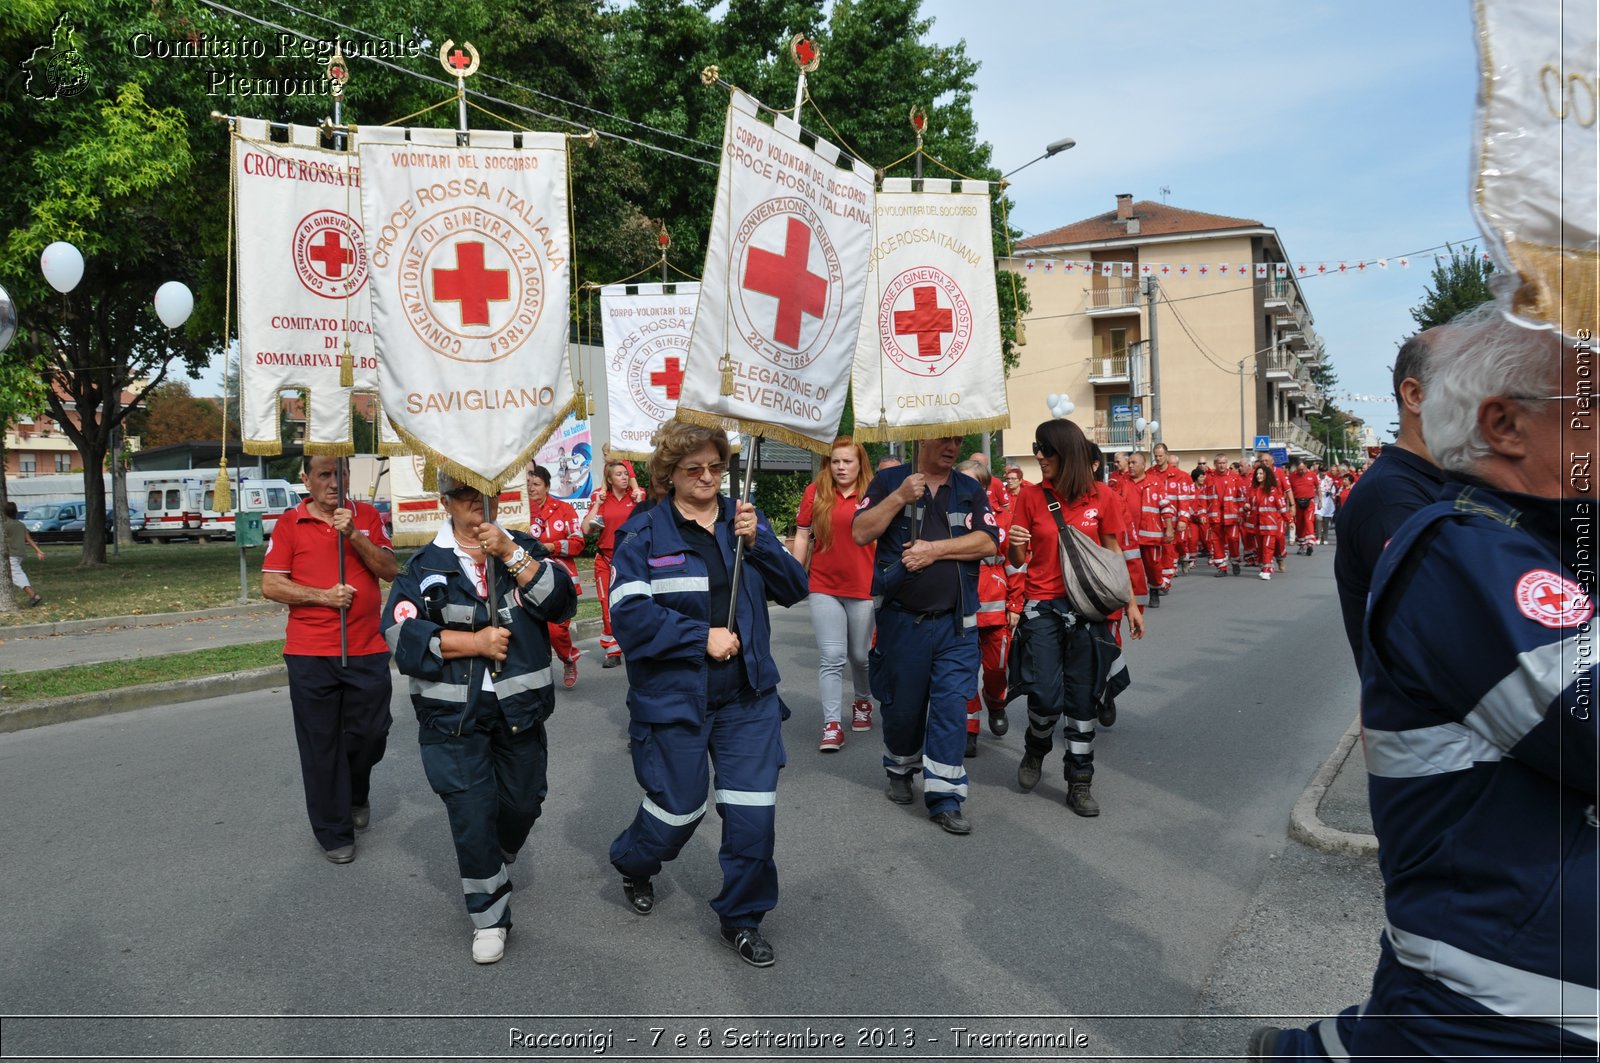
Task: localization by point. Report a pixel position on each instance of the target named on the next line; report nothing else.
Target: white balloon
(62, 265)
(1139, 426)
(8, 319)
(1155, 426)
(1051, 399)
(1067, 406)
(174, 303)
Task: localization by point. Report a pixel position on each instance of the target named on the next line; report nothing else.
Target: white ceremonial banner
(417, 513)
(470, 256)
(645, 328)
(784, 284)
(303, 288)
(928, 355)
(1535, 193)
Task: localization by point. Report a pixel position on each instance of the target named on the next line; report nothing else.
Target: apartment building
(1233, 335)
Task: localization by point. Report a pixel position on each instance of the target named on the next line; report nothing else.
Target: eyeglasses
(696, 472)
(1043, 450)
(464, 494)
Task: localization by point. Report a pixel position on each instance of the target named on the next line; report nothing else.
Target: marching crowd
(951, 594)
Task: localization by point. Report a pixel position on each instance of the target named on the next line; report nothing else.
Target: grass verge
(114, 675)
(164, 578)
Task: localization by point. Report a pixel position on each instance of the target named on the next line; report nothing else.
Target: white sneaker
(488, 945)
(1265, 574)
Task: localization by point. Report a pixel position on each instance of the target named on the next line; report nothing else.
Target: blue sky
(1347, 127)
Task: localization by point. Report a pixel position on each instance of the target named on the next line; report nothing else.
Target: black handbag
(1097, 579)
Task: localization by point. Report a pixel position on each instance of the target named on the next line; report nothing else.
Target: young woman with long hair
(1064, 660)
(1267, 517)
(841, 585)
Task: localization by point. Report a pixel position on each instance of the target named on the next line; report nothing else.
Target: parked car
(135, 524)
(48, 522)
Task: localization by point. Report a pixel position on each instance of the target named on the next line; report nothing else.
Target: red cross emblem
(1553, 600)
(1302, 270)
(926, 320)
(471, 284)
(669, 377)
(460, 60)
(332, 254)
(786, 278)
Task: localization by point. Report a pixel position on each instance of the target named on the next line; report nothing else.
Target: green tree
(174, 415)
(1458, 285)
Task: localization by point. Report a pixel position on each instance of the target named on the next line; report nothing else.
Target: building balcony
(1279, 294)
(1109, 369)
(1117, 297)
(1115, 435)
(1279, 366)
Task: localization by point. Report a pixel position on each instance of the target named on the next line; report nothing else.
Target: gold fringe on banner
(879, 434)
(430, 476)
(468, 477)
(347, 367)
(756, 428)
(266, 448)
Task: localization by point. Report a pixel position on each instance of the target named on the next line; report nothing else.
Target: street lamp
(1055, 147)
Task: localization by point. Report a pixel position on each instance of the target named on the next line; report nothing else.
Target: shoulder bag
(1096, 578)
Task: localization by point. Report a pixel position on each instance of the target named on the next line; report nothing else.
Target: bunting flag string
(1230, 270)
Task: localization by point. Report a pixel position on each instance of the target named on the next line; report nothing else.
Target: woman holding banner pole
(699, 686)
(608, 511)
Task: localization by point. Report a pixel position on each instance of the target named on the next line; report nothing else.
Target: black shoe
(999, 723)
(1080, 800)
(361, 816)
(1222, 571)
(1108, 711)
(972, 745)
(1028, 771)
(342, 855)
(612, 660)
(36, 601)
(508, 856)
(1236, 568)
(1264, 1043)
(1155, 599)
(641, 894)
(900, 789)
(1309, 549)
(953, 822)
(750, 945)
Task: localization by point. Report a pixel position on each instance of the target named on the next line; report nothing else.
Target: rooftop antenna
(1166, 190)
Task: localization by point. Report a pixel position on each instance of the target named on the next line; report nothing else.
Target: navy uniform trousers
(922, 669)
(745, 745)
(492, 782)
(341, 726)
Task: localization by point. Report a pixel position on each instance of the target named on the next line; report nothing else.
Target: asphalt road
(158, 864)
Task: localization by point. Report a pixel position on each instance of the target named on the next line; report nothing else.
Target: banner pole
(338, 74)
(738, 543)
(344, 610)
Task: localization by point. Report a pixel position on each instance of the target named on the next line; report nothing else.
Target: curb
(1306, 826)
(149, 695)
(114, 623)
(146, 695)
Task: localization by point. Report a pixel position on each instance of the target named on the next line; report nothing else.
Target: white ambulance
(270, 498)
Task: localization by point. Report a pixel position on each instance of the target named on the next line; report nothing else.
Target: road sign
(1263, 442)
(1121, 414)
(1280, 455)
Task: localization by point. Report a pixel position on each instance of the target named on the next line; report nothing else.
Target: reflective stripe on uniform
(460, 614)
(1503, 989)
(455, 693)
(493, 914)
(485, 885)
(1516, 704)
(747, 797)
(991, 607)
(680, 585)
(1424, 751)
(539, 589)
(669, 818)
(516, 684)
(621, 592)
(935, 785)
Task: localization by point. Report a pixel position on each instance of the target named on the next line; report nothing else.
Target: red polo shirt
(306, 549)
(843, 570)
(1097, 515)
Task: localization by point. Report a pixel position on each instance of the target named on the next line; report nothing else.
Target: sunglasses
(463, 494)
(696, 472)
(1043, 450)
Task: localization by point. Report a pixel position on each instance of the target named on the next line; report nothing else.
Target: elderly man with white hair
(1478, 722)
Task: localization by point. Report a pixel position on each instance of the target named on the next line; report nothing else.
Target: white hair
(1478, 355)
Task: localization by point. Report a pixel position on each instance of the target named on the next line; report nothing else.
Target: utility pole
(1155, 360)
(1241, 412)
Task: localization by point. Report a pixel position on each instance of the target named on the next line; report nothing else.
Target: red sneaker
(832, 737)
(569, 673)
(861, 715)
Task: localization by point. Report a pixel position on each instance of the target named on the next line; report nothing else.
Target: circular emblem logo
(924, 321)
(655, 375)
(471, 287)
(404, 610)
(789, 291)
(1552, 599)
(330, 254)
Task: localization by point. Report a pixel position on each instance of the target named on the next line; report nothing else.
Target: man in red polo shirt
(341, 712)
(1303, 492)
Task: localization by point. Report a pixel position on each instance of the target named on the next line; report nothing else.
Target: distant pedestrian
(554, 525)
(341, 712)
(1266, 517)
(18, 540)
(609, 509)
